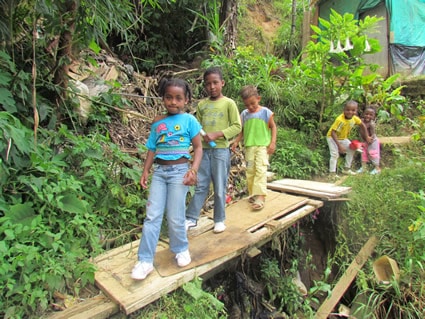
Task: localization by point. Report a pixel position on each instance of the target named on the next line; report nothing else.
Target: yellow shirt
(343, 126)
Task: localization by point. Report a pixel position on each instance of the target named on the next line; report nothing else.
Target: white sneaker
(219, 227)
(141, 270)
(190, 224)
(183, 258)
(375, 171)
(348, 172)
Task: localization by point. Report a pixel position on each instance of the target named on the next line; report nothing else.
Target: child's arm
(364, 133)
(234, 121)
(372, 131)
(146, 169)
(212, 136)
(272, 146)
(236, 142)
(197, 150)
(191, 177)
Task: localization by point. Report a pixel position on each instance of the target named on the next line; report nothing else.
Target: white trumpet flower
(338, 47)
(348, 46)
(367, 46)
(332, 49)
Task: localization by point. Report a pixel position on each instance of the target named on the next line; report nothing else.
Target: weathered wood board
(395, 139)
(309, 188)
(275, 205)
(246, 229)
(204, 249)
(99, 307)
(347, 278)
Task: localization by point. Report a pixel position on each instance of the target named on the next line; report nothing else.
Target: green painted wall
(339, 6)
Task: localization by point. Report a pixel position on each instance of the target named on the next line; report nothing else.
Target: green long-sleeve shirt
(220, 115)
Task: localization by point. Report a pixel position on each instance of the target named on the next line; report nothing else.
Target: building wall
(339, 6)
(380, 58)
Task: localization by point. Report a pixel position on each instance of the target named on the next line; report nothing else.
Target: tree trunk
(293, 27)
(64, 54)
(229, 18)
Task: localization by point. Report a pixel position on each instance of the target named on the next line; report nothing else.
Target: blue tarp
(407, 36)
(365, 5)
(407, 22)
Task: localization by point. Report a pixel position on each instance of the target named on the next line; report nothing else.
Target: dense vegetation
(62, 180)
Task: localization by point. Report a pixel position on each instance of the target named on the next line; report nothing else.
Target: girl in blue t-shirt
(168, 152)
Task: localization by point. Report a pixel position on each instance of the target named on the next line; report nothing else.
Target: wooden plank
(108, 282)
(151, 289)
(276, 204)
(204, 224)
(309, 188)
(113, 276)
(347, 278)
(314, 185)
(204, 249)
(395, 139)
(253, 252)
(279, 214)
(119, 260)
(339, 199)
(284, 222)
(99, 307)
(102, 308)
(275, 227)
(301, 191)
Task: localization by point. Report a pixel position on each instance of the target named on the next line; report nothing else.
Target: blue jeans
(167, 192)
(215, 167)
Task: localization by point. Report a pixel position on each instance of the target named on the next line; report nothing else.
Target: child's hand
(233, 147)
(190, 178)
(206, 138)
(212, 136)
(271, 148)
(144, 180)
(342, 149)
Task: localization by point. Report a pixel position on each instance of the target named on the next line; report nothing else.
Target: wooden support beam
(395, 139)
(347, 278)
(253, 252)
(99, 307)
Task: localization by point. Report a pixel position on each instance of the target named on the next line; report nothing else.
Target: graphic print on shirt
(164, 132)
(213, 115)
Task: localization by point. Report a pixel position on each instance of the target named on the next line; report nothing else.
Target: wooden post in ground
(347, 278)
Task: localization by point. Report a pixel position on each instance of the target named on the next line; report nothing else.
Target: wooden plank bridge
(246, 231)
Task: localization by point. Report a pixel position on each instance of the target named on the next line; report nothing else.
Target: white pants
(333, 149)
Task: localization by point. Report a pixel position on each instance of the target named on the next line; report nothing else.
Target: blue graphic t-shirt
(170, 137)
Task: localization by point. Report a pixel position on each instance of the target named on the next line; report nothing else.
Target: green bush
(56, 197)
(293, 159)
(191, 302)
